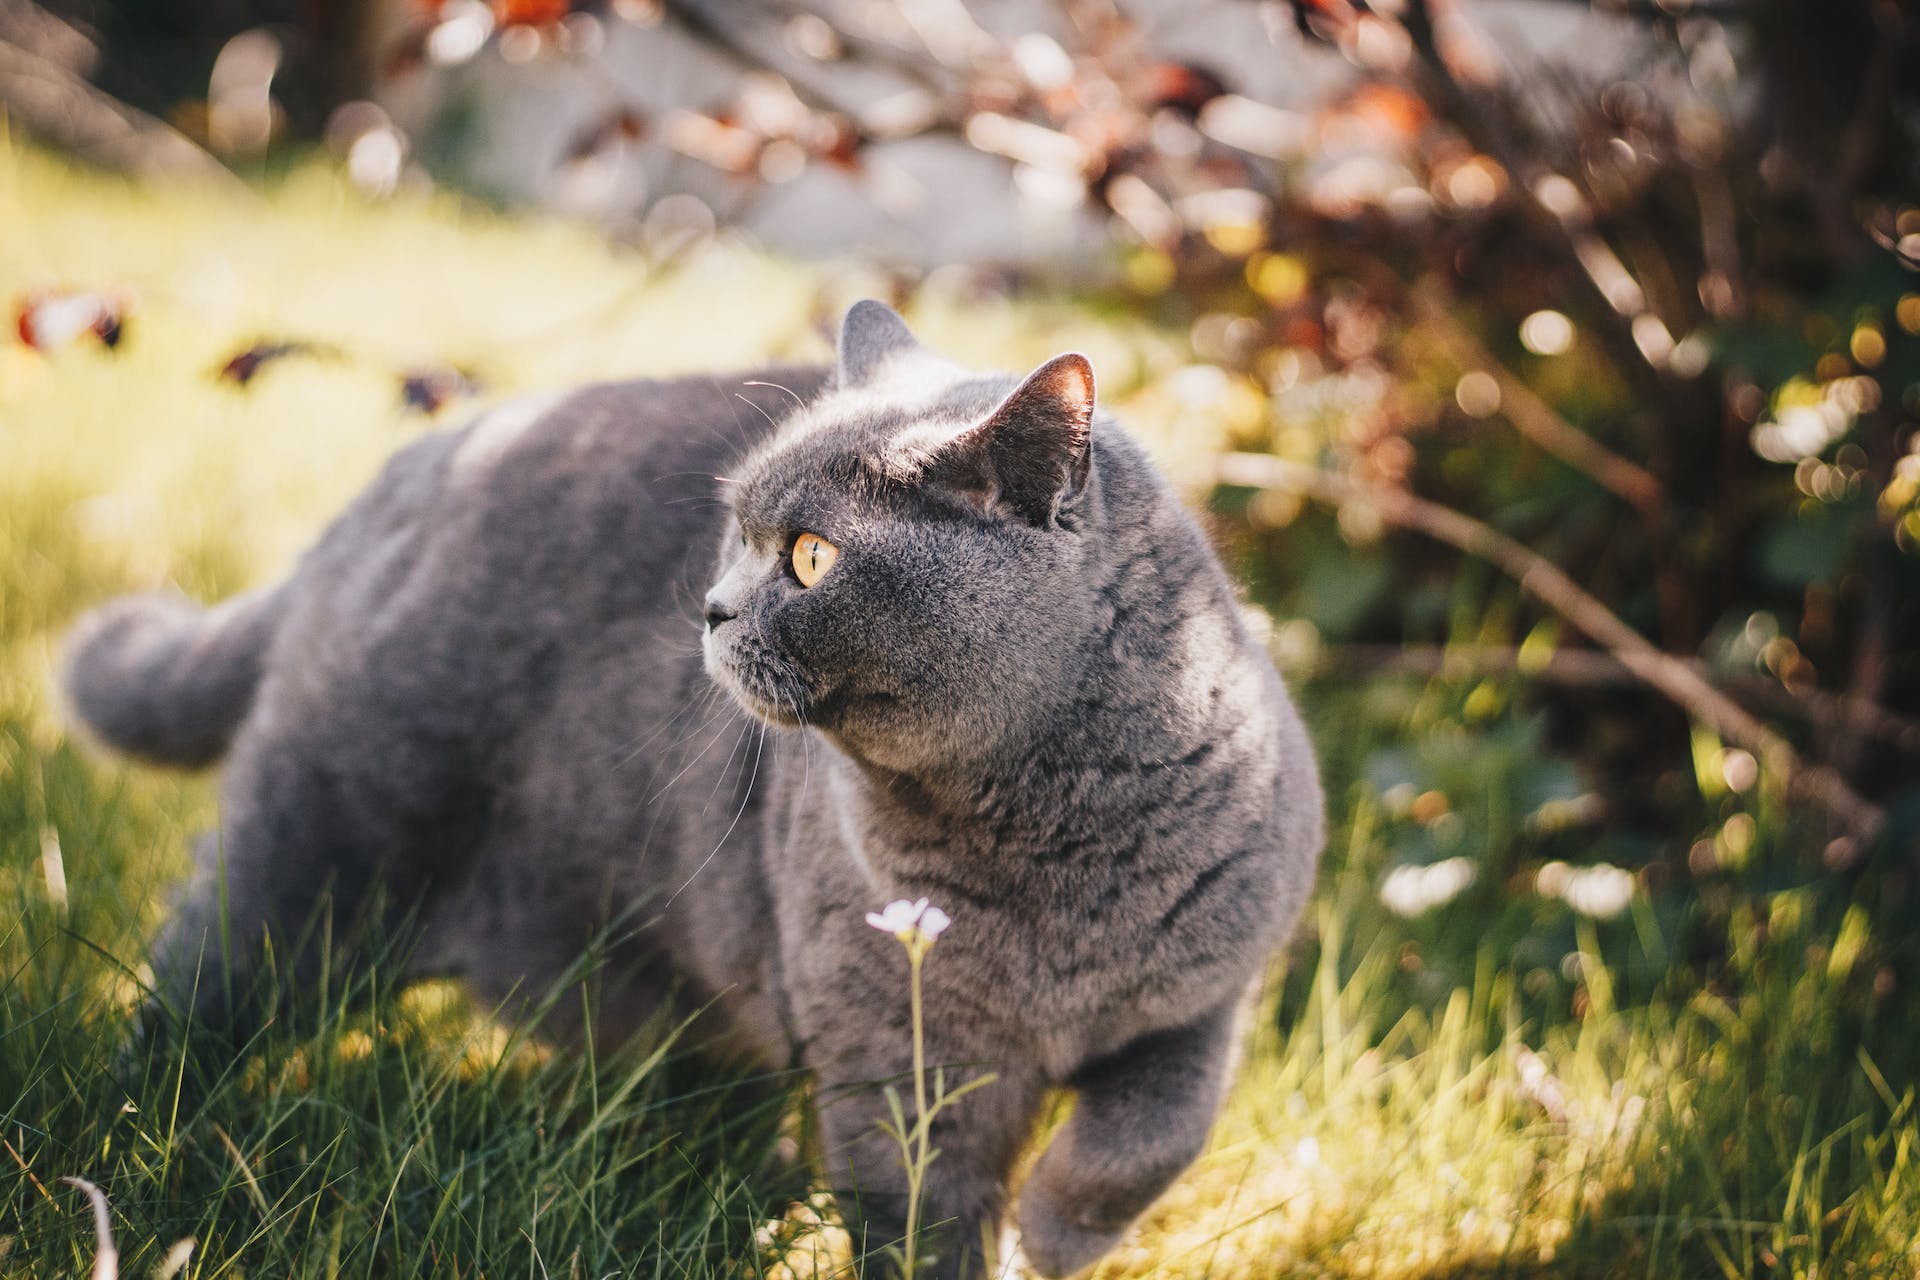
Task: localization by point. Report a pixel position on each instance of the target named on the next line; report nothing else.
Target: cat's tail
(164, 679)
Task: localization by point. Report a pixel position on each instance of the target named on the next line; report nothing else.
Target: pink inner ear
(1076, 387)
(1072, 383)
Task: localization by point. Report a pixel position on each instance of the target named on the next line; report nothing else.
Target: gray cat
(971, 649)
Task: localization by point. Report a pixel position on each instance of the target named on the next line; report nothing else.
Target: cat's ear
(872, 334)
(1034, 451)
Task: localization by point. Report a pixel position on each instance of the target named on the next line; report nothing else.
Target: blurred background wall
(817, 127)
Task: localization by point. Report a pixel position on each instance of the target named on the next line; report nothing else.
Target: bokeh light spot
(1546, 333)
(1477, 394)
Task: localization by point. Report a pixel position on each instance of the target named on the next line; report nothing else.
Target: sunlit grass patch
(1441, 1143)
(1674, 1140)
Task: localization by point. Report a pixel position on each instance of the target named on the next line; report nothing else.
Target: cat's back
(451, 600)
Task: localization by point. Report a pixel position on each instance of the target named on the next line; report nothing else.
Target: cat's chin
(766, 712)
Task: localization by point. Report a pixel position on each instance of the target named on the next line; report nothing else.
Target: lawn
(1714, 1078)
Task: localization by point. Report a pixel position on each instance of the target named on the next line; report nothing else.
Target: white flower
(1601, 891)
(903, 919)
(1410, 891)
(898, 917)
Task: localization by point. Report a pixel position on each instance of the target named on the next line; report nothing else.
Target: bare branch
(1596, 668)
(1534, 418)
(1548, 198)
(1542, 578)
(1833, 194)
(815, 88)
(54, 101)
(25, 25)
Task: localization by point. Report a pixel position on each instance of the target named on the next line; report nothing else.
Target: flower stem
(918, 1172)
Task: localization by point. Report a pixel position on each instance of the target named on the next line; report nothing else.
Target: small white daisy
(903, 919)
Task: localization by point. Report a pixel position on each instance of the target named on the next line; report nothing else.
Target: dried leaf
(242, 368)
(428, 390)
(50, 321)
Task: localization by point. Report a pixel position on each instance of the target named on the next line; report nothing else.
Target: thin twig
(1834, 190)
(1540, 577)
(53, 100)
(1509, 140)
(814, 87)
(1596, 668)
(26, 25)
(1533, 417)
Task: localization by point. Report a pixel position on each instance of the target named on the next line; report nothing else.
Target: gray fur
(160, 678)
(1023, 691)
(871, 334)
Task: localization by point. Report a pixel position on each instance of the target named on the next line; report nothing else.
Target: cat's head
(905, 565)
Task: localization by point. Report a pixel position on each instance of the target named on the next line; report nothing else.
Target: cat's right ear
(872, 334)
(1034, 452)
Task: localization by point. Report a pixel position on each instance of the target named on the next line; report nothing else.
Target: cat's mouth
(756, 686)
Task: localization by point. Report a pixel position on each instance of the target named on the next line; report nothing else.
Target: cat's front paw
(1055, 1241)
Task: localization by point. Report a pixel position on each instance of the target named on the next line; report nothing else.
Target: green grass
(1718, 1083)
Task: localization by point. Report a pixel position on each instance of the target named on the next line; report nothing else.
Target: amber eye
(813, 555)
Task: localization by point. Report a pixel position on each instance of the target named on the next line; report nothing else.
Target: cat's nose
(717, 612)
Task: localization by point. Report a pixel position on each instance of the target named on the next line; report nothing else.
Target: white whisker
(746, 798)
(745, 728)
(777, 387)
(757, 409)
(701, 754)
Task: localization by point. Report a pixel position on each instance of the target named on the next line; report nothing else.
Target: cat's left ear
(872, 334)
(1035, 450)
